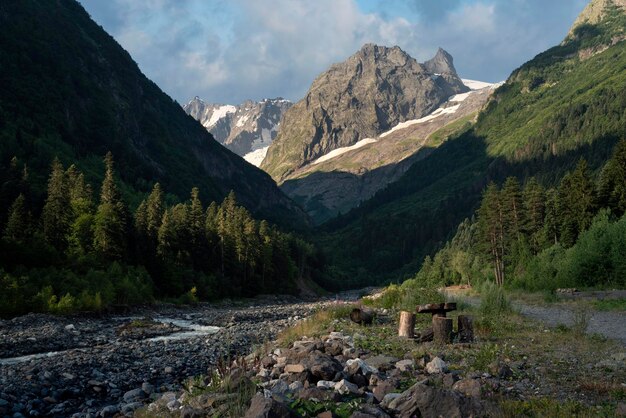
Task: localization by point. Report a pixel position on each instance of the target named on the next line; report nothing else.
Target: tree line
(78, 252)
(542, 238)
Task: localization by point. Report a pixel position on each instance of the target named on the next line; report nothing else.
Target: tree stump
(426, 335)
(442, 330)
(361, 317)
(466, 329)
(407, 325)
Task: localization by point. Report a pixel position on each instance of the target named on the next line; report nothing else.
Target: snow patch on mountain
(336, 152)
(219, 113)
(476, 85)
(256, 157)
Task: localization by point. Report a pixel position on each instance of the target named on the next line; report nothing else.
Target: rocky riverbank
(101, 366)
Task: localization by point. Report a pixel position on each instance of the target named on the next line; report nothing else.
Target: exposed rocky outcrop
(369, 93)
(595, 12)
(336, 185)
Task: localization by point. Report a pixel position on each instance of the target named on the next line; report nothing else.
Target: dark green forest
(533, 238)
(78, 252)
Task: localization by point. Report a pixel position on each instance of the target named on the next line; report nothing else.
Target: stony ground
(99, 361)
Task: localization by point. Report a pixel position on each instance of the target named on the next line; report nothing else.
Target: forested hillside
(565, 104)
(88, 253)
(70, 91)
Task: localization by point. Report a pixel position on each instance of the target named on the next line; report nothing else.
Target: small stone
(328, 384)
(147, 387)
(344, 387)
(405, 365)
(294, 368)
(173, 405)
(390, 397)
(108, 411)
(435, 366)
(620, 411)
(296, 386)
(134, 395)
(469, 387)
(70, 327)
(168, 370)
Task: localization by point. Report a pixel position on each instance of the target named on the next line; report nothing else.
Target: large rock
(267, 408)
(369, 93)
(430, 402)
(322, 366)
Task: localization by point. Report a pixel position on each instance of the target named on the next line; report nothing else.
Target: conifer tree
(155, 208)
(19, 224)
(576, 203)
(56, 215)
(534, 208)
(491, 227)
(612, 187)
(511, 198)
(196, 220)
(110, 221)
(551, 223)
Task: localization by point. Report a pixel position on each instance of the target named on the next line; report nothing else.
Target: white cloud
(230, 50)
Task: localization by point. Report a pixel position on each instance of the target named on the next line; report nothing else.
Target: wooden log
(442, 330)
(361, 317)
(406, 328)
(466, 329)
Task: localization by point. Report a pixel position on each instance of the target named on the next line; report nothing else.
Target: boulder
(267, 408)
(322, 366)
(468, 387)
(436, 365)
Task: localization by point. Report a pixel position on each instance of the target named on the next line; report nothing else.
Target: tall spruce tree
(110, 234)
(576, 203)
(19, 224)
(57, 213)
(612, 187)
(491, 227)
(534, 208)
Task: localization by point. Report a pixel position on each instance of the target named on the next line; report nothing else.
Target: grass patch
(552, 408)
(315, 325)
(494, 301)
(610, 304)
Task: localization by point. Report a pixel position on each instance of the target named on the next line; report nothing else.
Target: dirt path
(608, 324)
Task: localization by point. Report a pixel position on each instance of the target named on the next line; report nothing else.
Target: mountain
(345, 177)
(247, 129)
(70, 90)
(371, 92)
(564, 104)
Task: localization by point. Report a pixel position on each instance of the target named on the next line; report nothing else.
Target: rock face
(244, 129)
(595, 12)
(369, 93)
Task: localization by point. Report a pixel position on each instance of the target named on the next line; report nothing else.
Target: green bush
(493, 300)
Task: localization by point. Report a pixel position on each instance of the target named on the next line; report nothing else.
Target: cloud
(231, 50)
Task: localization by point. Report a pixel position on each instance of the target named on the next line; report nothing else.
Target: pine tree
(534, 208)
(551, 223)
(110, 221)
(155, 208)
(612, 187)
(57, 213)
(491, 227)
(196, 221)
(576, 203)
(81, 195)
(19, 224)
(511, 198)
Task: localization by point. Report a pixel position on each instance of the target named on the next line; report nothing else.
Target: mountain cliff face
(247, 129)
(369, 93)
(95, 99)
(342, 179)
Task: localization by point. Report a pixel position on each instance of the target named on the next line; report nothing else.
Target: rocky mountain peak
(372, 91)
(441, 63)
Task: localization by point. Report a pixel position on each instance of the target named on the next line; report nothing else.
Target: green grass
(610, 304)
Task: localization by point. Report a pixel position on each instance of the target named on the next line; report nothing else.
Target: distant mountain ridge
(245, 129)
(371, 92)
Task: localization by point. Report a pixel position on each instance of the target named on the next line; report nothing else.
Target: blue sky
(227, 51)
